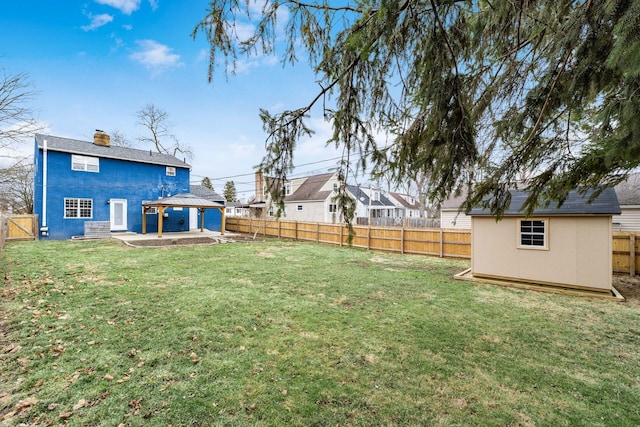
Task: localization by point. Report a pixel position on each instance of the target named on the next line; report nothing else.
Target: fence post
(632, 254)
(368, 236)
(402, 240)
(279, 228)
(317, 232)
(295, 234)
(341, 227)
(441, 243)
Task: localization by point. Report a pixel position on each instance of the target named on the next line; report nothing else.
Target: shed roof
(576, 204)
(75, 146)
(184, 200)
(628, 191)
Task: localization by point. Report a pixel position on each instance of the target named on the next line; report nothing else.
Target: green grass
(285, 333)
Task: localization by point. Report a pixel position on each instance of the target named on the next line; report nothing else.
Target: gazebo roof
(185, 201)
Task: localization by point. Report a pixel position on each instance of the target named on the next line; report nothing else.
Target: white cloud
(155, 56)
(124, 6)
(244, 66)
(128, 27)
(153, 4)
(97, 21)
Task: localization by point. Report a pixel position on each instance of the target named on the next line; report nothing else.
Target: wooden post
(632, 254)
(402, 239)
(265, 227)
(223, 223)
(317, 232)
(279, 228)
(144, 220)
(295, 234)
(341, 227)
(369, 236)
(441, 243)
(160, 218)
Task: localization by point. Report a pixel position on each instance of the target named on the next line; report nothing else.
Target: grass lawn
(284, 333)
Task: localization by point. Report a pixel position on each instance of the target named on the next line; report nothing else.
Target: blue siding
(212, 220)
(117, 179)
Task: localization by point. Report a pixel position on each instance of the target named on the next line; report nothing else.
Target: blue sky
(95, 63)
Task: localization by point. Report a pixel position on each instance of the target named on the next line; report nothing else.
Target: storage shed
(566, 246)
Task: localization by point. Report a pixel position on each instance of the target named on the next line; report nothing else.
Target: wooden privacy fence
(626, 252)
(452, 243)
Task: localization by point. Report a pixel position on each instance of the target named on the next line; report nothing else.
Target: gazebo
(181, 201)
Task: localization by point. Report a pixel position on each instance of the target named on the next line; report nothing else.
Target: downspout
(44, 230)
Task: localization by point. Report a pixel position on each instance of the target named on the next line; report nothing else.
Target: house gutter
(44, 230)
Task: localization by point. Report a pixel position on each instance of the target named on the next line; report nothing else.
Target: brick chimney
(101, 138)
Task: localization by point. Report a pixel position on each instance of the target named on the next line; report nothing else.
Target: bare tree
(16, 123)
(16, 187)
(156, 121)
(16, 119)
(119, 139)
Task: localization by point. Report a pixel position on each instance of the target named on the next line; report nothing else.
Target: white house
(628, 193)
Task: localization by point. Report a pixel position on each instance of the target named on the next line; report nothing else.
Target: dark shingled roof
(575, 204)
(404, 202)
(628, 191)
(206, 193)
(74, 146)
(310, 189)
(359, 194)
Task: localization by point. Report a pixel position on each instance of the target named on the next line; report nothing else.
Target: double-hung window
(533, 233)
(85, 163)
(78, 208)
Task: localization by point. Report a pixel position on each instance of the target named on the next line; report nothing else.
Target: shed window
(171, 171)
(333, 208)
(287, 189)
(299, 207)
(78, 208)
(85, 163)
(533, 233)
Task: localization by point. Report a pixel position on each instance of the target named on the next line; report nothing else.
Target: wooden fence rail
(442, 242)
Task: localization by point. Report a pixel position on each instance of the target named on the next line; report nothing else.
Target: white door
(118, 214)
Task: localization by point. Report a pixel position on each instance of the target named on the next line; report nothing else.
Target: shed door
(118, 214)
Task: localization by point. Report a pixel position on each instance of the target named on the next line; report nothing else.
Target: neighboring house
(79, 181)
(237, 209)
(407, 206)
(628, 193)
(450, 215)
(212, 217)
(372, 203)
(566, 246)
(311, 199)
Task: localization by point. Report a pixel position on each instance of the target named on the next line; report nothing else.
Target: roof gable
(311, 189)
(363, 197)
(576, 204)
(628, 191)
(75, 146)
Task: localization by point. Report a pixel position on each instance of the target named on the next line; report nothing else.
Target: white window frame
(533, 231)
(85, 163)
(170, 171)
(287, 188)
(80, 208)
(333, 208)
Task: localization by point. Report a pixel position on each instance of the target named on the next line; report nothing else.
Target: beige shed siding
(628, 220)
(447, 219)
(579, 252)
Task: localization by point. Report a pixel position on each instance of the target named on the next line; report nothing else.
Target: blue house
(80, 181)
(213, 217)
